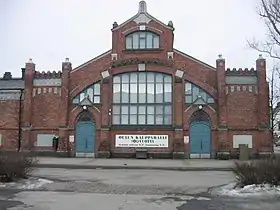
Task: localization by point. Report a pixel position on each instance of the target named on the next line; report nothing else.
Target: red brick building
(140, 95)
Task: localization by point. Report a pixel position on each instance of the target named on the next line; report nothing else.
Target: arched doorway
(85, 135)
(200, 136)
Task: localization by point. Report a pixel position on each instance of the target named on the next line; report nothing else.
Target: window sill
(132, 51)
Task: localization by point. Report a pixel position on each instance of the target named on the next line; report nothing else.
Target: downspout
(19, 120)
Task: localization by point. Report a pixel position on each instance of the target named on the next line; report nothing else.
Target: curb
(100, 167)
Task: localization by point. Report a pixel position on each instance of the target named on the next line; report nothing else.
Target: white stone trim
(85, 155)
(114, 56)
(200, 156)
(105, 74)
(46, 82)
(179, 73)
(141, 67)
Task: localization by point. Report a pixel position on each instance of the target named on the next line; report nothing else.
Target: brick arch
(79, 89)
(149, 67)
(209, 111)
(76, 111)
(136, 29)
(209, 89)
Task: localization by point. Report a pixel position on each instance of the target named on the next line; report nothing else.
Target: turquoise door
(200, 138)
(85, 133)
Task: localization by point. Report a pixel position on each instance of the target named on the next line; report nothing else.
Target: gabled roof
(143, 17)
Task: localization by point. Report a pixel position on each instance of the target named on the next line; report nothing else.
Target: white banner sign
(141, 141)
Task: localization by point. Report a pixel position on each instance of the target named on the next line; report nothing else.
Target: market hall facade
(141, 95)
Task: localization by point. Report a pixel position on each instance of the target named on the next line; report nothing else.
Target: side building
(141, 95)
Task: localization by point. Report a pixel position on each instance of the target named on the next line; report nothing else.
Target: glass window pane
(142, 35)
(159, 119)
(96, 99)
(167, 110)
(195, 91)
(150, 110)
(189, 99)
(133, 78)
(159, 78)
(167, 92)
(168, 79)
(133, 109)
(97, 89)
(159, 93)
(124, 119)
(116, 119)
(116, 110)
(128, 42)
(156, 42)
(125, 78)
(167, 119)
(142, 43)
(125, 91)
(142, 110)
(202, 94)
(149, 40)
(150, 93)
(141, 119)
(124, 110)
(150, 119)
(116, 93)
(142, 93)
(188, 88)
(135, 41)
(142, 77)
(150, 77)
(82, 96)
(210, 100)
(133, 93)
(117, 79)
(90, 94)
(133, 119)
(159, 110)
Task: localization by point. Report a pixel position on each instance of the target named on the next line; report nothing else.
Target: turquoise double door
(85, 137)
(200, 140)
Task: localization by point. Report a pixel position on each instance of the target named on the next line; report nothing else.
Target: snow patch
(34, 184)
(31, 183)
(248, 190)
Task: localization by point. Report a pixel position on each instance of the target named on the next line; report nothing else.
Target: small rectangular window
(129, 42)
(159, 119)
(189, 99)
(96, 99)
(149, 41)
(97, 89)
(135, 41)
(124, 110)
(124, 119)
(141, 119)
(150, 119)
(167, 119)
(133, 109)
(116, 119)
(142, 43)
(133, 119)
(156, 42)
(125, 92)
(116, 109)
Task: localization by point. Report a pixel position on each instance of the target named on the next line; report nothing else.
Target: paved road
(129, 190)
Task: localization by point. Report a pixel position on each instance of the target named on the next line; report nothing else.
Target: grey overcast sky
(50, 30)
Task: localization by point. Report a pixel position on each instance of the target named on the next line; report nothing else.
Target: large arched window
(92, 93)
(142, 98)
(142, 40)
(196, 95)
